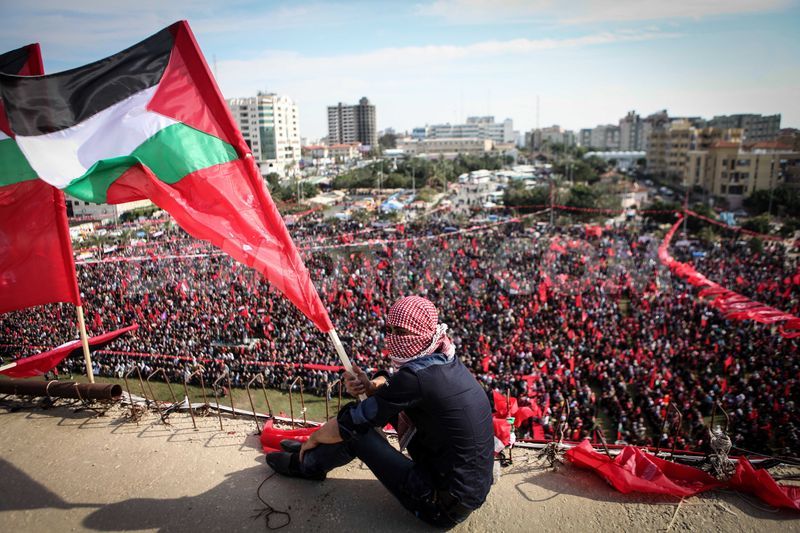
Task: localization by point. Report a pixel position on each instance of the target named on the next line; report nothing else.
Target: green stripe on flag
(171, 154)
(14, 168)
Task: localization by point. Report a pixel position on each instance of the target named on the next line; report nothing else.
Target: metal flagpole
(85, 342)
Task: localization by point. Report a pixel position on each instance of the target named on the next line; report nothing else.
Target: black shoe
(291, 445)
(288, 464)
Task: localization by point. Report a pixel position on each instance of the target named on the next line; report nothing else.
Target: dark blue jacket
(454, 440)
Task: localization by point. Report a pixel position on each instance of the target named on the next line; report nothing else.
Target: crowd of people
(584, 327)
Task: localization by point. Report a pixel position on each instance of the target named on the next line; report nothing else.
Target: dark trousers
(407, 481)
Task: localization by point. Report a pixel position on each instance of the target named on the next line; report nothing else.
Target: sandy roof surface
(67, 471)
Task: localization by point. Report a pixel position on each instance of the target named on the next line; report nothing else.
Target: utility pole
(552, 201)
(685, 211)
(769, 208)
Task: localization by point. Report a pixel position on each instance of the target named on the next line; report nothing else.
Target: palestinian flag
(36, 265)
(150, 122)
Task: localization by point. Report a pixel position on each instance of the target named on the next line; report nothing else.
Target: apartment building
(755, 128)
(353, 123)
(733, 171)
(475, 128)
(270, 125)
(669, 147)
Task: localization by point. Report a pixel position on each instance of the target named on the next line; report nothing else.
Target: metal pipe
(602, 435)
(61, 389)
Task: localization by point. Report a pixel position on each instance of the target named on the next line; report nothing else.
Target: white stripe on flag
(3, 136)
(63, 156)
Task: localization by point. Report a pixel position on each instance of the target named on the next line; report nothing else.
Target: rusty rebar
(199, 372)
(602, 435)
(672, 431)
(328, 398)
(169, 386)
(141, 384)
(216, 397)
(302, 401)
(724, 412)
(260, 378)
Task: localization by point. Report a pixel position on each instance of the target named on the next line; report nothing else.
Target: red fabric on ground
(761, 484)
(634, 471)
(271, 436)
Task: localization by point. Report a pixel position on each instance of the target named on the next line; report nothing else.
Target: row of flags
(146, 123)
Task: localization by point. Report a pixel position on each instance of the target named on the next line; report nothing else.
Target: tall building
(269, 125)
(654, 121)
(585, 137)
(756, 128)
(671, 144)
(605, 137)
(352, 123)
(482, 128)
(632, 133)
(539, 138)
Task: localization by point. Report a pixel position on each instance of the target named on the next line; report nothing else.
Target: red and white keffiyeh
(418, 316)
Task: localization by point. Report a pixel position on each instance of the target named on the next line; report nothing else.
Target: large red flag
(36, 265)
(150, 122)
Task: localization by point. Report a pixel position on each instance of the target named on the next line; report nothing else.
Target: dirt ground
(67, 471)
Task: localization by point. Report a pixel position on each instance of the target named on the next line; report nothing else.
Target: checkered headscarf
(420, 317)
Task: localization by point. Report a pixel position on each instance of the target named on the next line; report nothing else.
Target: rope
(269, 510)
(675, 515)
(721, 464)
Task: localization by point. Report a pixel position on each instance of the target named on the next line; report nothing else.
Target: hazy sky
(430, 62)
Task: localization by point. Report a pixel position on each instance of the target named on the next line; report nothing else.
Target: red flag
(36, 265)
(38, 364)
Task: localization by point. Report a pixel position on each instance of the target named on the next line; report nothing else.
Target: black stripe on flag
(13, 61)
(44, 104)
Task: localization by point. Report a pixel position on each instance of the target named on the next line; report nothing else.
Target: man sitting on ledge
(439, 410)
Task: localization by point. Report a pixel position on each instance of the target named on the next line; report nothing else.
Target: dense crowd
(766, 273)
(585, 328)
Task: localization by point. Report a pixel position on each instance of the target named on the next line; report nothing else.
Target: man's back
(454, 439)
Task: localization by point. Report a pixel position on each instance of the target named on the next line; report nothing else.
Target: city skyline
(441, 61)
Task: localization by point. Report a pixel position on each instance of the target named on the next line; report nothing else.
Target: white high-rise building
(270, 126)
